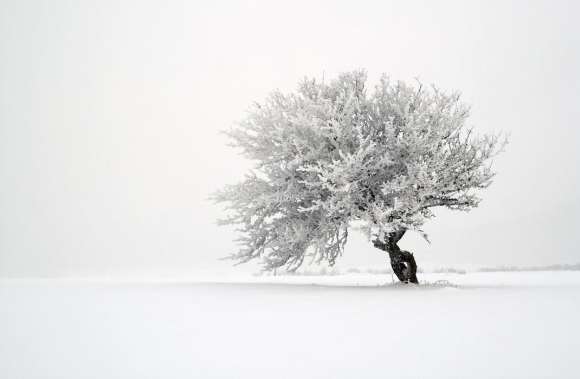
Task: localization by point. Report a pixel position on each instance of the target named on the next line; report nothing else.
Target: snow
(483, 325)
(331, 154)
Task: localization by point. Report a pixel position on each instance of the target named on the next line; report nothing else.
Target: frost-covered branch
(333, 153)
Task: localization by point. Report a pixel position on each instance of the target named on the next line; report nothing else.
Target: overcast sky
(110, 113)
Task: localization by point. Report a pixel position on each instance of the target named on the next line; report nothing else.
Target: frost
(334, 154)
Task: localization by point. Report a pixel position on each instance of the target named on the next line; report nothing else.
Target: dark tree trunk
(402, 262)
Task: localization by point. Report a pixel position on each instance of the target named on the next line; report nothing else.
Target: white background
(110, 112)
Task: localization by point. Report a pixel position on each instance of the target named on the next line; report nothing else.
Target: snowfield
(477, 325)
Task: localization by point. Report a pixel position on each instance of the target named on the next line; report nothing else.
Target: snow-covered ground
(482, 325)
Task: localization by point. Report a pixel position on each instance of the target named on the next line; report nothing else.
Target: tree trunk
(402, 262)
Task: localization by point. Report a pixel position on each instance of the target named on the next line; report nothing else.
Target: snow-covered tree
(335, 155)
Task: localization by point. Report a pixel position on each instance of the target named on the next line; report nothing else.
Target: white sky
(110, 112)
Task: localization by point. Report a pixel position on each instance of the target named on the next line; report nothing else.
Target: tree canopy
(335, 154)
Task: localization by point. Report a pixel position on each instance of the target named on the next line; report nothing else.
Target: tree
(334, 156)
